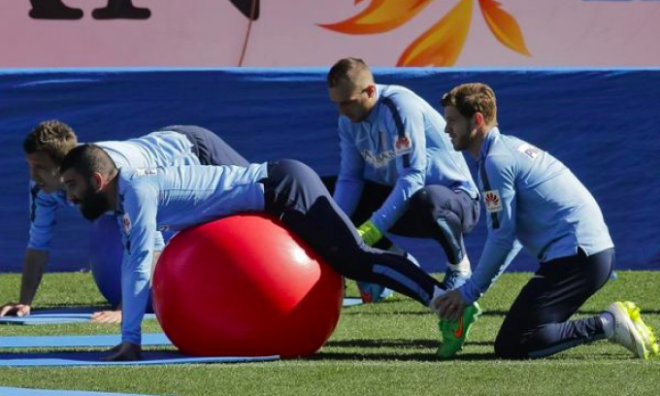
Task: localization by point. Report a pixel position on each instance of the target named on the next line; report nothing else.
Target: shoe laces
(635, 314)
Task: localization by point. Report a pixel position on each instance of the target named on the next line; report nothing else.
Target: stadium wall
(600, 122)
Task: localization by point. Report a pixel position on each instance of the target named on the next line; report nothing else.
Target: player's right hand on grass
(107, 316)
(15, 309)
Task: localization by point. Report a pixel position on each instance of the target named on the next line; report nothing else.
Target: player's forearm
(135, 289)
(396, 204)
(347, 194)
(34, 267)
(495, 258)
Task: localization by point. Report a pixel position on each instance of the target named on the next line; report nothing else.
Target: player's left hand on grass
(19, 310)
(124, 352)
(449, 306)
(107, 317)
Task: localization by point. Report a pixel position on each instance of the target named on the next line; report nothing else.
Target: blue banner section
(600, 122)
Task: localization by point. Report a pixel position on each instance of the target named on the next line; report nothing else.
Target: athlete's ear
(370, 90)
(97, 181)
(478, 119)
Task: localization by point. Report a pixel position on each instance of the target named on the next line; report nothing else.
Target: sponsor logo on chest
(378, 160)
(493, 201)
(126, 223)
(403, 145)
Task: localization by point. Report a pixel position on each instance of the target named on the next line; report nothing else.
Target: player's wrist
(470, 292)
(370, 233)
(26, 299)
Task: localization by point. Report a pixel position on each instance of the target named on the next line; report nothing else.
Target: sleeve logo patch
(529, 150)
(145, 172)
(493, 201)
(126, 223)
(403, 145)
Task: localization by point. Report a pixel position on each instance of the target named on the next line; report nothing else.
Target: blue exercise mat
(77, 341)
(44, 392)
(57, 316)
(94, 359)
(84, 314)
(97, 340)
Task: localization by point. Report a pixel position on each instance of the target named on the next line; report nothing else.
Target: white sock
(463, 267)
(608, 323)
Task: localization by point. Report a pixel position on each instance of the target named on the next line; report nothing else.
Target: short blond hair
(52, 137)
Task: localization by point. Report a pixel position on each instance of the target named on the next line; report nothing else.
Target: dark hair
(52, 137)
(472, 98)
(344, 70)
(88, 159)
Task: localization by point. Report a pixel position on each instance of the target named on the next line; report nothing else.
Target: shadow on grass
(494, 312)
(393, 343)
(399, 357)
(409, 313)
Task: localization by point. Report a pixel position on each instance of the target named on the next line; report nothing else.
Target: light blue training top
(401, 144)
(532, 200)
(174, 198)
(165, 148)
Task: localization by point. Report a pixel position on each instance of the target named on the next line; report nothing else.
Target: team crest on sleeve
(126, 223)
(529, 150)
(493, 201)
(403, 145)
(145, 172)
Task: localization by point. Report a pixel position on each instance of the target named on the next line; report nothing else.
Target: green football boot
(455, 333)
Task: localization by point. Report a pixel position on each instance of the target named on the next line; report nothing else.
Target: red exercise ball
(245, 286)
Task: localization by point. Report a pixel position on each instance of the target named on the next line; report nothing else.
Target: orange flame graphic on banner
(380, 16)
(504, 26)
(442, 44)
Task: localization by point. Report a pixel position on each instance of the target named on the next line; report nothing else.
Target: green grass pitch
(383, 349)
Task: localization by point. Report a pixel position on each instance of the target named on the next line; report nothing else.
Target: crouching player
(533, 201)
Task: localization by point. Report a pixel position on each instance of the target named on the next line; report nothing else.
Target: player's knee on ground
(511, 345)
